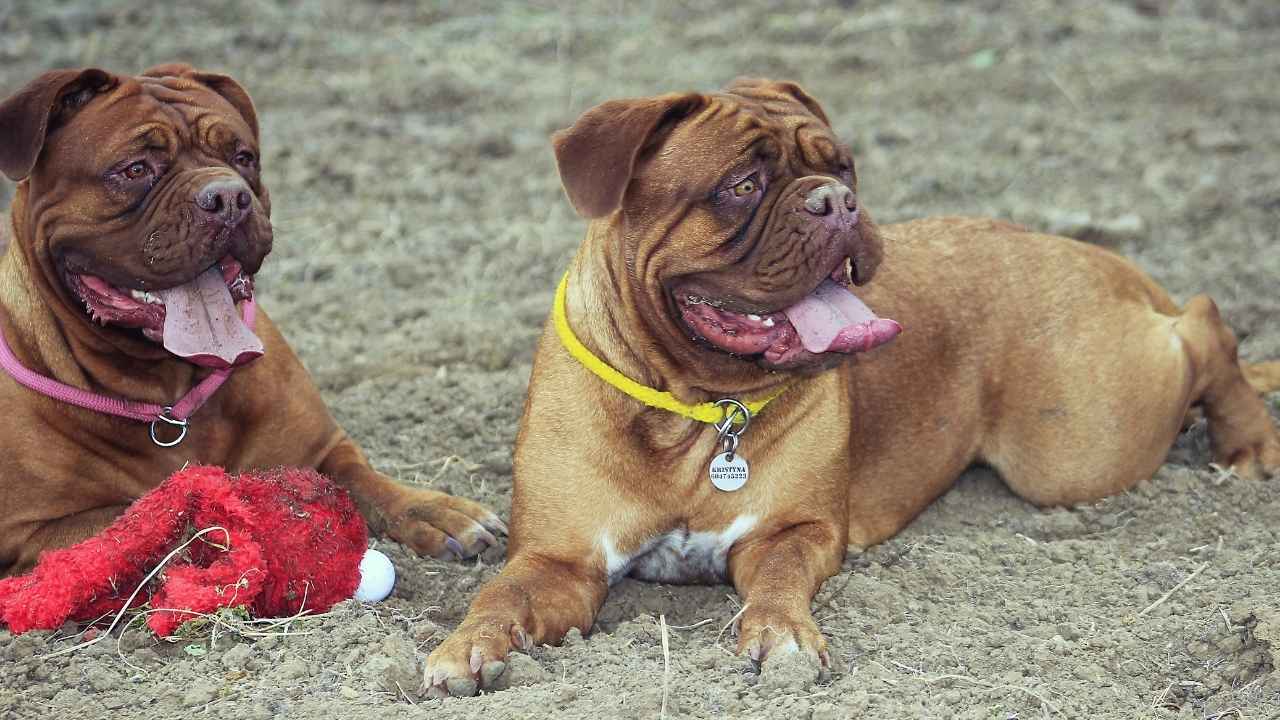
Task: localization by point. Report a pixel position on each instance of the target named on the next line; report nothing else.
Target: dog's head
(737, 214)
(144, 202)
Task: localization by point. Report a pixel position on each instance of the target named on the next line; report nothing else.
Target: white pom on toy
(377, 577)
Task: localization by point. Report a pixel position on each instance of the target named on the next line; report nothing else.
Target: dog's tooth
(754, 317)
(768, 322)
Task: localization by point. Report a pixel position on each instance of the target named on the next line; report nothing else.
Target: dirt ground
(420, 229)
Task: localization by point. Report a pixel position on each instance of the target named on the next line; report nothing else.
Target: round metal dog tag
(729, 471)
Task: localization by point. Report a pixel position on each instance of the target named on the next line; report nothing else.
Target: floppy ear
(29, 115)
(781, 87)
(226, 86)
(597, 156)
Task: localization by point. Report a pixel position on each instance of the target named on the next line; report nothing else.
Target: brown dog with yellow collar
(139, 221)
(726, 242)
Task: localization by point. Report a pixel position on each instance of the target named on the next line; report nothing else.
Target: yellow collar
(707, 412)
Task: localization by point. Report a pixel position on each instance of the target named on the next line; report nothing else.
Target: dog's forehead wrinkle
(786, 109)
(779, 130)
(773, 107)
(170, 90)
(215, 133)
(153, 134)
(691, 160)
(722, 105)
(156, 126)
(813, 149)
(149, 137)
(193, 112)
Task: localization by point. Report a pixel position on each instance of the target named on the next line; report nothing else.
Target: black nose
(227, 201)
(831, 199)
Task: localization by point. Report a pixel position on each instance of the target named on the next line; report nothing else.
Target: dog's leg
(535, 600)
(1093, 430)
(1241, 432)
(430, 522)
(60, 533)
(777, 577)
(1264, 377)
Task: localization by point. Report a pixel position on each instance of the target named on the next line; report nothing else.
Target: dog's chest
(679, 556)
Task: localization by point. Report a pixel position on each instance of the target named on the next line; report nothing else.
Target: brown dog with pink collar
(729, 259)
(127, 319)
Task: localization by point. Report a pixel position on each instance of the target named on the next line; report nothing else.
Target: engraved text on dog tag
(729, 471)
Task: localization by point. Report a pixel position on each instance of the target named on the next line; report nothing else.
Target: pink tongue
(202, 325)
(833, 319)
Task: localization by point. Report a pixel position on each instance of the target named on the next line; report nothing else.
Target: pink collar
(175, 414)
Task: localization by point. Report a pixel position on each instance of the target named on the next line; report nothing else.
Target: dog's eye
(136, 171)
(746, 187)
(244, 158)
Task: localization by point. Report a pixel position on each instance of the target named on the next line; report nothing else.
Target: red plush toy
(290, 539)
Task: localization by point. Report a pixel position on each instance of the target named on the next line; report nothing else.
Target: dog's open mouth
(831, 319)
(197, 320)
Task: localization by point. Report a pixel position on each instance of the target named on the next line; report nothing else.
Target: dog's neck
(632, 330)
(50, 338)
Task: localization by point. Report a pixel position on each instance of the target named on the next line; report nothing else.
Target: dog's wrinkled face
(741, 221)
(147, 202)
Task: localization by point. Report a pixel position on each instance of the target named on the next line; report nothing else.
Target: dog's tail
(1264, 377)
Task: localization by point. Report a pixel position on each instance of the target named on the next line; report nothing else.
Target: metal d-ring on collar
(166, 416)
(737, 418)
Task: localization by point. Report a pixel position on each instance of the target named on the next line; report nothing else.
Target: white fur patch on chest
(679, 556)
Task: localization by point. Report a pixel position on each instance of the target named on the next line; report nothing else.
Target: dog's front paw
(440, 525)
(1258, 460)
(783, 643)
(473, 657)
